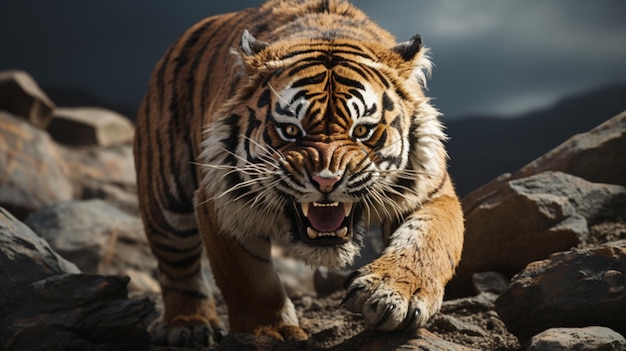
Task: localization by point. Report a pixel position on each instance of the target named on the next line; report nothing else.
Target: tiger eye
(360, 131)
(291, 130)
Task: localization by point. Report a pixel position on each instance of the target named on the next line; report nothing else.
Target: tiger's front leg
(256, 300)
(404, 287)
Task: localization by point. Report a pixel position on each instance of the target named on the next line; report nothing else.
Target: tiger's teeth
(347, 207)
(341, 233)
(311, 233)
(332, 204)
(305, 208)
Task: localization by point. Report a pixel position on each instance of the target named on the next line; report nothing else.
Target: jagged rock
(24, 259)
(579, 339)
(46, 305)
(571, 289)
(78, 312)
(21, 96)
(32, 172)
(90, 126)
(104, 173)
(530, 218)
(598, 155)
(96, 236)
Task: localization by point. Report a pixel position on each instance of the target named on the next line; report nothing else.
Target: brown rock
(528, 219)
(90, 126)
(21, 96)
(32, 172)
(598, 155)
(580, 339)
(571, 289)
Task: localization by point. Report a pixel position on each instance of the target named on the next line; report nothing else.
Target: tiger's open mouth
(325, 223)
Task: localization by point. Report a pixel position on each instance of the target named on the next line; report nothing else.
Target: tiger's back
(209, 104)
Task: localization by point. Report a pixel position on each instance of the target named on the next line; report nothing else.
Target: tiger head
(322, 138)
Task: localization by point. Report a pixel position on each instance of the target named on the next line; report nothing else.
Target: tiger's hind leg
(244, 272)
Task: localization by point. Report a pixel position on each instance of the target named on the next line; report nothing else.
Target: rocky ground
(543, 265)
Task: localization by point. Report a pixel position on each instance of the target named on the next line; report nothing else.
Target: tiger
(298, 123)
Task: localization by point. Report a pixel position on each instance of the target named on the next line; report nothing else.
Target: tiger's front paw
(283, 332)
(391, 299)
(193, 330)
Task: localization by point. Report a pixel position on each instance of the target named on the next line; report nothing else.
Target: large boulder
(579, 339)
(90, 126)
(45, 304)
(598, 155)
(21, 96)
(32, 172)
(571, 289)
(96, 236)
(528, 219)
(104, 173)
(24, 259)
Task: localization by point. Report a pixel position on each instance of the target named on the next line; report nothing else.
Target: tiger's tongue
(327, 218)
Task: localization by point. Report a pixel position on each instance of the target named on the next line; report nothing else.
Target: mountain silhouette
(484, 147)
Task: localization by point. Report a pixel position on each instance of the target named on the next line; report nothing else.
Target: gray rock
(571, 289)
(21, 96)
(96, 236)
(78, 312)
(90, 126)
(24, 259)
(492, 282)
(32, 172)
(528, 219)
(578, 339)
(104, 173)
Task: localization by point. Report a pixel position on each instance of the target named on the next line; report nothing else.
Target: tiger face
(325, 138)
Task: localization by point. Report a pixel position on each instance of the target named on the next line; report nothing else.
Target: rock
(21, 96)
(492, 282)
(598, 156)
(24, 259)
(528, 219)
(104, 173)
(446, 323)
(96, 236)
(46, 305)
(78, 312)
(579, 339)
(577, 288)
(90, 126)
(32, 172)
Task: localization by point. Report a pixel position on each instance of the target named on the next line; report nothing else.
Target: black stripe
(316, 79)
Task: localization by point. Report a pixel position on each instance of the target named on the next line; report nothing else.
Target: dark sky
(491, 56)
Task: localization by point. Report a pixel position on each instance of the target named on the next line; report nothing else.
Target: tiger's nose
(325, 184)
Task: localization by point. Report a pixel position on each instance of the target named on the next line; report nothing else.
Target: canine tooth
(305, 208)
(347, 207)
(341, 233)
(311, 233)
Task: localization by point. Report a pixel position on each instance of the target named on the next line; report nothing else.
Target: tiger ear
(415, 61)
(410, 48)
(250, 45)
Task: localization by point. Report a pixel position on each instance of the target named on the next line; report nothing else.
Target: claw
(351, 278)
(220, 334)
(409, 322)
(385, 316)
(350, 294)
